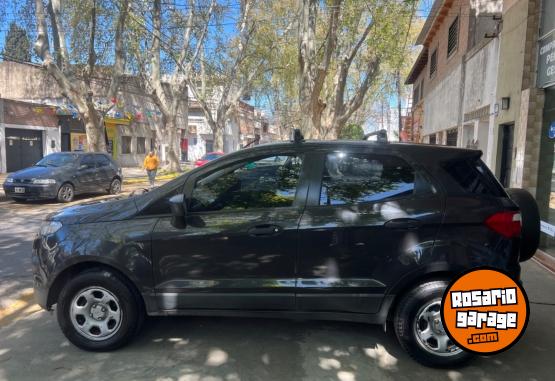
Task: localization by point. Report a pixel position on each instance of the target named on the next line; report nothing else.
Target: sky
(14, 10)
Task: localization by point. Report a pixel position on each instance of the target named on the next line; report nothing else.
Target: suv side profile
(360, 231)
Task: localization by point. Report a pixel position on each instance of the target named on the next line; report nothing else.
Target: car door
(103, 172)
(86, 174)
(370, 221)
(238, 250)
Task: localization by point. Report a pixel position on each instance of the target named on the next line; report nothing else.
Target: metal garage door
(23, 148)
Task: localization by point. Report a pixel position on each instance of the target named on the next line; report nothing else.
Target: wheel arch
(409, 282)
(85, 266)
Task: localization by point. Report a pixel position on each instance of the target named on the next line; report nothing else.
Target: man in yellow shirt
(151, 165)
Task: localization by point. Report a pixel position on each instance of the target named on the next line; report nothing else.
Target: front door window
(266, 183)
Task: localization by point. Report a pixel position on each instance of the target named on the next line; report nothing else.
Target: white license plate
(19, 190)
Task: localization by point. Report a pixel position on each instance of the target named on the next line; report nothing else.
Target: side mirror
(179, 211)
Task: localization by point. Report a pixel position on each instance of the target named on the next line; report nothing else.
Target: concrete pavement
(226, 349)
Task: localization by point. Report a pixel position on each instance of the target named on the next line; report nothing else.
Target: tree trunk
(94, 128)
(173, 153)
(218, 134)
(399, 105)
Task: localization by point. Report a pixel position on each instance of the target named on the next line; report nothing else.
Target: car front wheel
(66, 193)
(419, 327)
(98, 311)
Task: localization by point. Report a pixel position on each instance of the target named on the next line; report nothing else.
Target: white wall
(441, 104)
(481, 77)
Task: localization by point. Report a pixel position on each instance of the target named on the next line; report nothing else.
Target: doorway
(505, 166)
(23, 148)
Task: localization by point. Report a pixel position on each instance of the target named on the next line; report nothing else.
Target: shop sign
(547, 228)
(551, 132)
(546, 61)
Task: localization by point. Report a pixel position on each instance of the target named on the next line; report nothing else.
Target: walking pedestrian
(151, 165)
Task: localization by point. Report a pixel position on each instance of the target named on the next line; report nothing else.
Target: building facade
(133, 123)
(499, 96)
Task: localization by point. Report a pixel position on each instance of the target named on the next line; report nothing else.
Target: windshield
(57, 160)
(211, 156)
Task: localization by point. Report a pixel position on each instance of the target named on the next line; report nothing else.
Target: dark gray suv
(63, 175)
(360, 231)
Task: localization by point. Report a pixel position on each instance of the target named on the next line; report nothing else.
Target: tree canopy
(17, 46)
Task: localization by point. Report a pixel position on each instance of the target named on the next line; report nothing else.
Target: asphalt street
(228, 349)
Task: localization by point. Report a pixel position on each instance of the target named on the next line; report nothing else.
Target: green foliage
(352, 132)
(17, 46)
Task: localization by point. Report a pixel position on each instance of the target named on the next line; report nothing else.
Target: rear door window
(474, 177)
(351, 178)
(88, 161)
(102, 161)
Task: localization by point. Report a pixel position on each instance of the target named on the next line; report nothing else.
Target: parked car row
(63, 175)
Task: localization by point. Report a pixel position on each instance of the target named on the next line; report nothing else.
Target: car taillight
(505, 223)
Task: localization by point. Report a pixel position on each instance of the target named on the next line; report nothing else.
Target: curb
(545, 260)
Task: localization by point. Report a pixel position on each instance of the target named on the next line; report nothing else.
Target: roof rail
(297, 136)
(381, 134)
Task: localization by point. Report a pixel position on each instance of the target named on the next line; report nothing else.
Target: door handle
(264, 230)
(403, 223)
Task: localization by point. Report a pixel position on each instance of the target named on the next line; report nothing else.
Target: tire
(115, 311)
(408, 321)
(66, 193)
(530, 215)
(115, 186)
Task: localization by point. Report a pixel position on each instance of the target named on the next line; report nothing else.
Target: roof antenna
(381, 134)
(297, 136)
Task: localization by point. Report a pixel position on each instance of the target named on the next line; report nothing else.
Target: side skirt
(377, 318)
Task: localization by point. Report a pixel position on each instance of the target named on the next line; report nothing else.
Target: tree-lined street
(96, 95)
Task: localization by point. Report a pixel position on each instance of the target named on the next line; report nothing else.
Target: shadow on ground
(228, 349)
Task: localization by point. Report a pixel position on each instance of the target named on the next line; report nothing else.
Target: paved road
(225, 349)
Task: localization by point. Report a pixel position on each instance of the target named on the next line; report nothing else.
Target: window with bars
(433, 63)
(126, 144)
(141, 145)
(453, 37)
(452, 137)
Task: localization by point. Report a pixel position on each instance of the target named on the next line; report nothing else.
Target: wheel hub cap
(99, 311)
(430, 333)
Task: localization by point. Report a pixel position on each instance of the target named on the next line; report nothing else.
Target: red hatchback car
(208, 157)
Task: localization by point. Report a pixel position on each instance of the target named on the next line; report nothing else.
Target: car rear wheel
(98, 311)
(115, 186)
(419, 328)
(66, 193)
(530, 220)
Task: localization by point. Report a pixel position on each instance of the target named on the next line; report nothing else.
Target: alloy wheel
(115, 187)
(66, 192)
